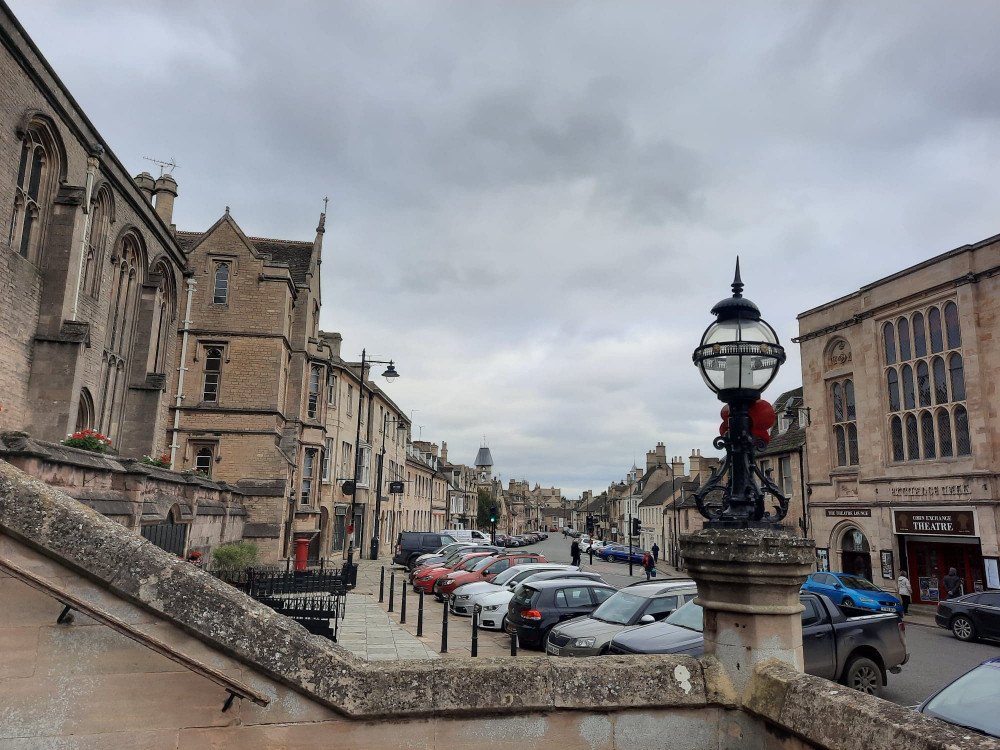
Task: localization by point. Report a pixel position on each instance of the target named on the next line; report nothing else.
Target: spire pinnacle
(737, 281)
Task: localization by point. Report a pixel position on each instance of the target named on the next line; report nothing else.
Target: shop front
(934, 540)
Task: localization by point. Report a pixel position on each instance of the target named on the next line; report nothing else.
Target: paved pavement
(368, 631)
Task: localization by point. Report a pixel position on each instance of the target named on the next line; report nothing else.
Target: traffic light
(636, 527)
(493, 514)
(590, 524)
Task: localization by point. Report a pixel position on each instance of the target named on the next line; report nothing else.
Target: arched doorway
(855, 553)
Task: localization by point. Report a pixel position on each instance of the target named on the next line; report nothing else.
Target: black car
(971, 616)
(412, 544)
(539, 605)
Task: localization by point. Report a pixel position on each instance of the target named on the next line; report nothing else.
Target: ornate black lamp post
(738, 357)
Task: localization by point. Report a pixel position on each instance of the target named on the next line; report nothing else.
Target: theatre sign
(940, 522)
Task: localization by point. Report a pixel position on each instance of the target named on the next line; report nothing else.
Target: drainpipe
(805, 508)
(191, 284)
(93, 163)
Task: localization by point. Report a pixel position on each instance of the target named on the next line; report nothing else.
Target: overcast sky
(533, 206)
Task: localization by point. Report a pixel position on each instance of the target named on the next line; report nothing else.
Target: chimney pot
(144, 181)
(165, 190)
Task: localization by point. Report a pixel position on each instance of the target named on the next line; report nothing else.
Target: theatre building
(903, 449)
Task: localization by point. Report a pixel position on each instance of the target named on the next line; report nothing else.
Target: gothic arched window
(34, 189)
(97, 242)
(221, 291)
(164, 306)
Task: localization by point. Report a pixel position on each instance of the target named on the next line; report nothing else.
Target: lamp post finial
(737, 281)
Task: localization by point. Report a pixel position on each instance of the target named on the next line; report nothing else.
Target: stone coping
(221, 616)
(835, 717)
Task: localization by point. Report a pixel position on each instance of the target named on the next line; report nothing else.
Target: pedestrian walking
(574, 551)
(952, 584)
(905, 591)
(648, 565)
(656, 553)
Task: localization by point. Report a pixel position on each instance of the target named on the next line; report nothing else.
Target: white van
(467, 535)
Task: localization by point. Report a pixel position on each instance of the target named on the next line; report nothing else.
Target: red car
(425, 578)
(456, 557)
(483, 570)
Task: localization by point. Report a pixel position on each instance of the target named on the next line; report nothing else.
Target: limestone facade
(904, 442)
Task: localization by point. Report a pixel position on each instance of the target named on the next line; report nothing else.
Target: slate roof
(295, 254)
(663, 493)
(484, 457)
(795, 436)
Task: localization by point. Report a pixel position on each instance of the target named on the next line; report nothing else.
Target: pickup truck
(856, 651)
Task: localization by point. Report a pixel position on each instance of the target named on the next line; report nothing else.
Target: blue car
(970, 701)
(853, 591)
(619, 553)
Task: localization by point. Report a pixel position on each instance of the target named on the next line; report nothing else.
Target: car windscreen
(470, 563)
(970, 701)
(524, 595)
(689, 616)
(453, 560)
(507, 575)
(445, 539)
(482, 562)
(855, 582)
(620, 608)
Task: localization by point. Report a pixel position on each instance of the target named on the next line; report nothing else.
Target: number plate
(550, 649)
(887, 609)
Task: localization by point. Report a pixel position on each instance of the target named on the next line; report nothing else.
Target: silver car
(467, 596)
(638, 604)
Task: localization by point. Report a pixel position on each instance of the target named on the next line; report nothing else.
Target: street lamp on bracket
(738, 357)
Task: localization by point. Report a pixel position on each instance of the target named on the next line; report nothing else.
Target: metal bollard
(444, 631)
(402, 604)
(420, 615)
(475, 633)
(513, 643)
(392, 588)
(381, 586)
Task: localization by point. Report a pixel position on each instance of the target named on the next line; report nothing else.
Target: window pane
(940, 384)
(849, 399)
(852, 443)
(29, 218)
(934, 322)
(908, 400)
(912, 443)
(923, 384)
(213, 360)
(211, 390)
(221, 284)
(963, 445)
(896, 427)
(841, 446)
(23, 164)
(893, 380)
(890, 344)
(919, 342)
(957, 372)
(952, 326)
(927, 434)
(944, 432)
(838, 404)
(36, 173)
(203, 461)
(903, 328)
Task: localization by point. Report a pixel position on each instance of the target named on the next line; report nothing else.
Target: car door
(659, 607)
(573, 601)
(819, 650)
(496, 568)
(986, 614)
(823, 583)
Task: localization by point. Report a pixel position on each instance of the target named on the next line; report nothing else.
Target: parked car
(466, 547)
(853, 591)
(856, 651)
(620, 553)
(468, 595)
(971, 616)
(970, 701)
(493, 607)
(591, 544)
(442, 553)
(636, 605)
(425, 578)
(484, 570)
(412, 544)
(539, 605)
(468, 535)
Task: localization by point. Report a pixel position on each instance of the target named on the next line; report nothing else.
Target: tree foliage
(483, 514)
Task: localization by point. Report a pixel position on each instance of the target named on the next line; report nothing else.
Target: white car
(465, 597)
(594, 544)
(493, 607)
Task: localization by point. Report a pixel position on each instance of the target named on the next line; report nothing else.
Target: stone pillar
(748, 584)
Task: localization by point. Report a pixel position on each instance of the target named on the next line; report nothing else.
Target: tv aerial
(170, 166)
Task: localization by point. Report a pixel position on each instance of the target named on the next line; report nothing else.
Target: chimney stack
(144, 181)
(444, 452)
(677, 463)
(165, 190)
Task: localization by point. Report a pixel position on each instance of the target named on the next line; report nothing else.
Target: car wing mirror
(646, 619)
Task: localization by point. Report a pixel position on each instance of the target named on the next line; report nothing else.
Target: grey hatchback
(638, 604)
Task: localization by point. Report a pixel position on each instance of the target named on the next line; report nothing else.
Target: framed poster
(822, 559)
(992, 573)
(929, 591)
(888, 569)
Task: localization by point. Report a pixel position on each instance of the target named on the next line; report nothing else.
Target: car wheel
(963, 629)
(848, 602)
(609, 558)
(863, 675)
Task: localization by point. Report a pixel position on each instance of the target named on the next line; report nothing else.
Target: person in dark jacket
(952, 584)
(648, 565)
(574, 551)
(656, 552)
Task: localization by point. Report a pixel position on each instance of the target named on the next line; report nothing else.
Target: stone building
(89, 269)
(903, 448)
(785, 459)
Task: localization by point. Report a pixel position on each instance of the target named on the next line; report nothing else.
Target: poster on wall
(822, 559)
(992, 573)
(888, 570)
(929, 591)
